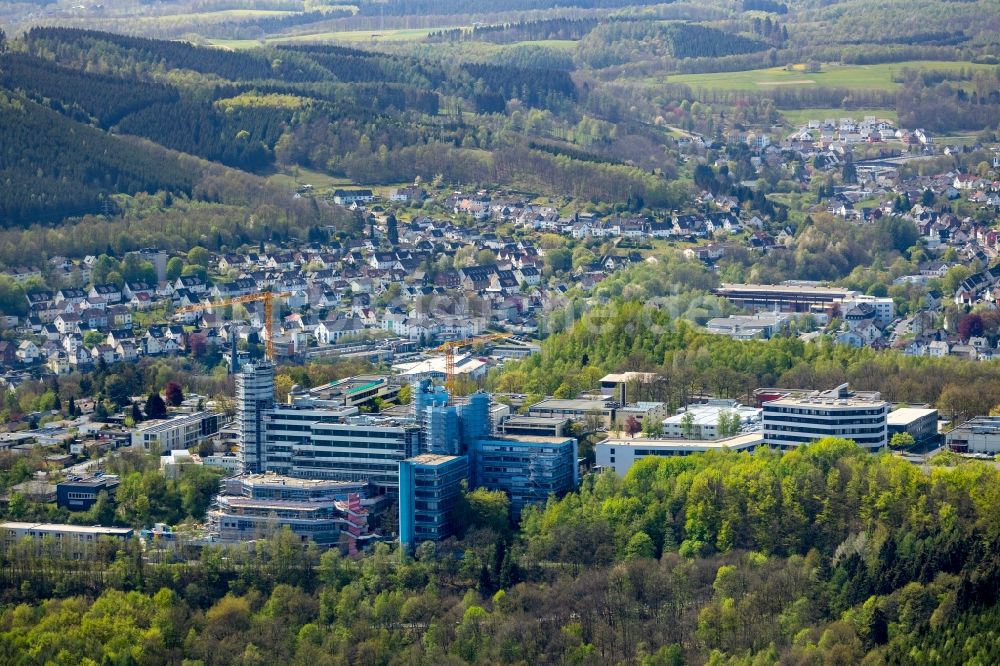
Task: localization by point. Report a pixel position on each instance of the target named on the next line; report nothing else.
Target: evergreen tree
(155, 407)
(392, 229)
(136, 413)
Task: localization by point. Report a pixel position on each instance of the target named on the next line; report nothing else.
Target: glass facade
(429, 487)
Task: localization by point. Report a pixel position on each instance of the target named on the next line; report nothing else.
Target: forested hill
(52, 167)
(338, 110)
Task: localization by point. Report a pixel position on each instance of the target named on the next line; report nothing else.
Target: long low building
(921, 423)
(76, 540)
(785, 297)
(620, 454)
(603, 408)
(978, 435)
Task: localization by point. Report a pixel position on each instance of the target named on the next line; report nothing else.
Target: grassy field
(356, 36)
(799, 117)
(344, 37)
(320, 181)
(856, 77)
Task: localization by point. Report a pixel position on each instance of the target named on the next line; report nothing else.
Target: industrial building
(978, 435)
(620, 454)
(790, 422)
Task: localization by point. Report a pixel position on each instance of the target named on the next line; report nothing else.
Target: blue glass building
(429, 486)
(528, 469)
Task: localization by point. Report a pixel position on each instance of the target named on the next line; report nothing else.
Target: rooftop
(431, 459)
(528, 439)
(68, 529)
(577, 404)
(905, 415)
(738, 442)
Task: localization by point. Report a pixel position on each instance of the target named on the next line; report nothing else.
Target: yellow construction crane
(449, 353)
(266, 296)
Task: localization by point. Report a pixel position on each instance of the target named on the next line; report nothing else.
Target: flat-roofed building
(619, 384)
(620, 454)
(748, 327)
(255, 506)
(701, 420)
(76, 541)
(180, 432)
(528, 469)
(358, 390)
(79, 494)
(978, 435)
(782, 297)
(429, 487)
(603, 408)
(545, 426)
(920, 422)
(791, 422)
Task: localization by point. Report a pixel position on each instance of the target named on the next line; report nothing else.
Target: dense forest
(52, 168)
(822, 555)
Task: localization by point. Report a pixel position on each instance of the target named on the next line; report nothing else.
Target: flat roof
(905, 415)
(276, 480)
(827, 402)
(627, 376)
(69, 529)
(709, 414)
(738, 442)
(528, 439)
(431, 459)
(535, 420)
(799, 289)
(578, 404)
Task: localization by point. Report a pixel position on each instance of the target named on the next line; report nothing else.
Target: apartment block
(180, 432)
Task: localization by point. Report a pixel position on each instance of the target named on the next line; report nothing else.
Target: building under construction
(309, 437)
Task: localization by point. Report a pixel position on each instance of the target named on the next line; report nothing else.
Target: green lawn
(856, 77)
(299, 176)
(799, 117)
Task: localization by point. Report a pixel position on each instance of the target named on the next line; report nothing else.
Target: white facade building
(790, 422)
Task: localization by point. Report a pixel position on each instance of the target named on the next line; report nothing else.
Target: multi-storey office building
(793, 421)
(256, 506)
(254, 397)
(528, 469)
(429, 487)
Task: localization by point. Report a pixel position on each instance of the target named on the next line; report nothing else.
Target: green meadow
(855, 77)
